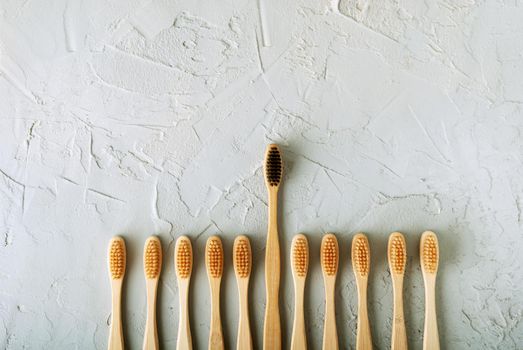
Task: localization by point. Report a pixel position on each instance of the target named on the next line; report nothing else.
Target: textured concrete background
(151, 117)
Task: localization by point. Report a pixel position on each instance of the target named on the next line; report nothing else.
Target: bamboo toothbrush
(152, 263)
(117, 260)
(397, 256)
(361, 267)
(183, 260)
(273, 176)
(329, 265)
(214, 262)
(429, 259)
(242, 260)
(300, 266)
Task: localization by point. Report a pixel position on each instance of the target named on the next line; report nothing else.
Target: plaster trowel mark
(427, 134)
(263, 24)
(15, 82)
(68, 17)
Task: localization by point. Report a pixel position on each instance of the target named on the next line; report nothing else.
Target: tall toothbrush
(273, 177)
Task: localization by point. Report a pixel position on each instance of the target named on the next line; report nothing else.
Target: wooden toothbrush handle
(272, 328)
(431, 337)
(330, 333)
(150, 341)
(184, 341)
(216, 335)
(116, 331)
(363, 337)
(399, 333)
(244, 330)
(299, 337)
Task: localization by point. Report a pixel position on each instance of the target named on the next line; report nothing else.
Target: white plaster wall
(151, 117)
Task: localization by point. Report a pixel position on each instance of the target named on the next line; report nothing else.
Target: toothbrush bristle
(242, 256)
(329, 254)
(430, 253)
(153, 257)
(361, 255)
(273, 165)
(117, 257)
(183, 257)
(300, 255)
(214, 257)
(397, 253)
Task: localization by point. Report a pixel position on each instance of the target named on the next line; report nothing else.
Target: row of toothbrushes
(360, 256)
(242, 262)
(183, 261)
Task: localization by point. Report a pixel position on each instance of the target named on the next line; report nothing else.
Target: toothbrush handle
(184, 341)
(215, 335)
(431, 337)
(272, 328)
(299, 337)
(150, 341)
(363, 337)
(244, 341)
(330, 333)
(116, 331)
(399, 333)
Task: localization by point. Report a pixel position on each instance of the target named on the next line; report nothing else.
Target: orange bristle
(214, 257)
(361, 255)
(152, 257)
(397, 253)
(300, 255)
(183, 257)
(117, 258)
(430, 253)
(242, 256)
(329, 254)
